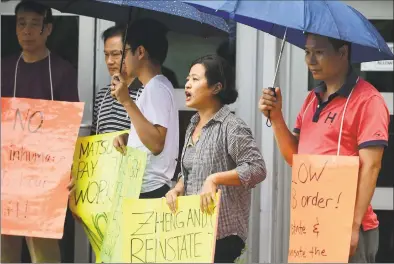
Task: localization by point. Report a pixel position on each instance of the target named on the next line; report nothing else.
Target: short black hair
(30, 6)
(150, 34)
(218, 70)
(336, 43)
(113, 31)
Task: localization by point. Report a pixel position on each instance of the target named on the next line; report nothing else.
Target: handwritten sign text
(37, 144)
(156, 235)
(322, 205)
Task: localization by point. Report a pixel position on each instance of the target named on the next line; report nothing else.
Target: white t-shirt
(157, 104)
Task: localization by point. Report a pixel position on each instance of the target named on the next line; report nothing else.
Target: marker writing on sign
(15, 209)
(96, 238)
(315, 200)
(306, 175)
(96, 192)
(316, 227)
(33, 120)
(297, 228)
(179, 247)
(95, 148)
(86, 168)
(167, 222)
(302, 252)
(24, 155)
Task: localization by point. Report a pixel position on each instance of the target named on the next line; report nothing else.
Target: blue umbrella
(175, 8)
(324, 17)
(289, 20)
(174, 14)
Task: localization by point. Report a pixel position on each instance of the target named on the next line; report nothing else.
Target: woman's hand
(208, 194)
(171, 199)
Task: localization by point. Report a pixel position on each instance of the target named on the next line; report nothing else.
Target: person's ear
(48, 29)
(217, 88)
(344, 50)
(141, 52)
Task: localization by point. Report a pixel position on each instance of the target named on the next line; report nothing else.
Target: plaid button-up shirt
(226, 143)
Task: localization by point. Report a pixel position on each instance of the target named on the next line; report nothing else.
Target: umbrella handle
(268, 122)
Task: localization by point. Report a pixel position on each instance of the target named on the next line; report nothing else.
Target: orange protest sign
(37, 146)
(323, 196)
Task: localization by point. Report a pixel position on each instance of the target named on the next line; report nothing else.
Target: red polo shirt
(365, 124)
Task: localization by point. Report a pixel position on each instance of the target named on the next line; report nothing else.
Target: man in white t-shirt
(154, 115)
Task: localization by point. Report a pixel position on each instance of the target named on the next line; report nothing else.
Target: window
(184, 49)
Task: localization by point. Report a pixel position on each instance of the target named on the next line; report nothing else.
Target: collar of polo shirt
(346, 88)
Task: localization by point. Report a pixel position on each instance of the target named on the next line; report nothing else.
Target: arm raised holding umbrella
(364, 132)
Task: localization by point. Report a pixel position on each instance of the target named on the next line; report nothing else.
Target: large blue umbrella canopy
(324, 17)
(175, 14)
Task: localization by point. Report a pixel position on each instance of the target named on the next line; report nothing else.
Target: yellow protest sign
(322, 207)
(153, 234)
(130, 178)
(100, 173)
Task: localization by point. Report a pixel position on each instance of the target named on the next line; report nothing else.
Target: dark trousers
(367, 248)
(158, 193)
(228, 249)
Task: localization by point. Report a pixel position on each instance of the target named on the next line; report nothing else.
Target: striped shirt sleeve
(97, 102)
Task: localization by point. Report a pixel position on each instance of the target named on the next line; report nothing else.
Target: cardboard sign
(323, 196)
(153, 234)
(37, 145)
(102, 176)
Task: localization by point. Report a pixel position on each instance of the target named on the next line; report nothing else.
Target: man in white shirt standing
(154, 115)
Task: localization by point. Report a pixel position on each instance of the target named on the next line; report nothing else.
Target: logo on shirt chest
(330, 117)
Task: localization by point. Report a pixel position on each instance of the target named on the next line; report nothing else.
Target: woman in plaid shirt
(219, 153)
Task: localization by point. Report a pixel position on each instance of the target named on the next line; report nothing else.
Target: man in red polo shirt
(346, 109)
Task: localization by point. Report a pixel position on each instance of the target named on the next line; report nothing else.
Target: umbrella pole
(124, 40)
(272, 88)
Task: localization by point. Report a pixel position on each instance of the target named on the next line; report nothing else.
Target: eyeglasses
(33, 26)
(115, 54)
